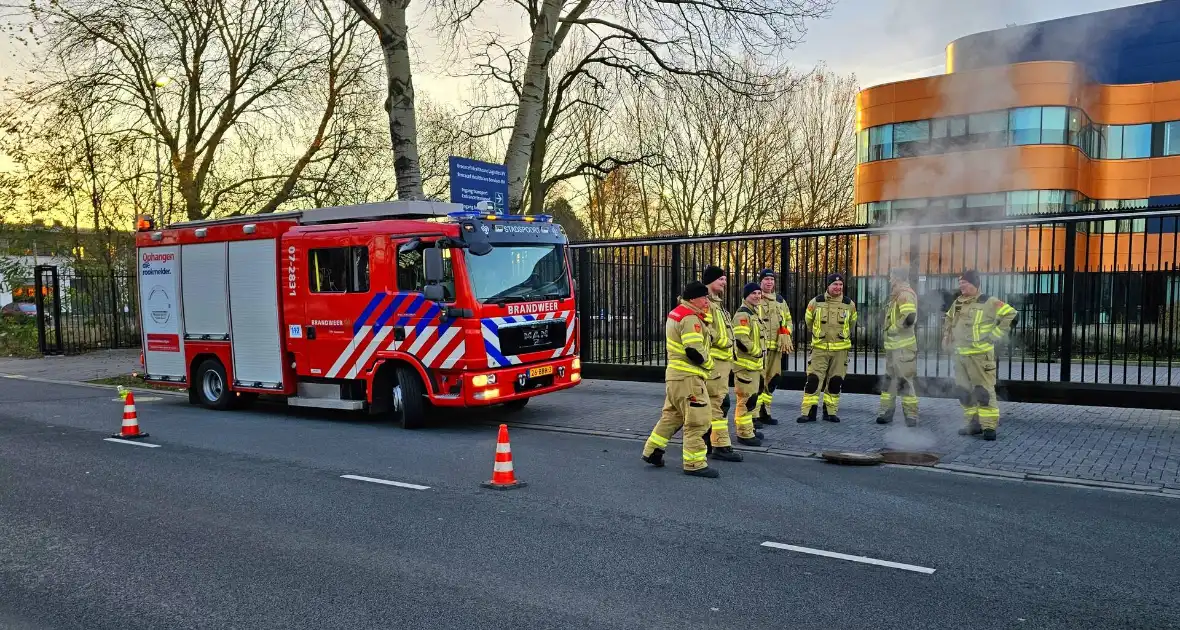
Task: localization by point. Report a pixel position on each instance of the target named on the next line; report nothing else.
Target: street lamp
(161, 82)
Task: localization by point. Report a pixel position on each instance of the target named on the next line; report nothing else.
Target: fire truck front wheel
(409, 404)
(212, 386)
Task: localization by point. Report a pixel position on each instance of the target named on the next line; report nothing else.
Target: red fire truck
(390, 307)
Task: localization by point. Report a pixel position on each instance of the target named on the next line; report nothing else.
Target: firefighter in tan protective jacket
(831, 317)
(686, 401)
(974, 323)
(747, 364)
(721, 351)
(901, 351)
(775, 318)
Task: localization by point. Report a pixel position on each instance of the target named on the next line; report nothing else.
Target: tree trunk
(403, 126)
(519, 155)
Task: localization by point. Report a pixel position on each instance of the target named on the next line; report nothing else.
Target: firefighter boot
(810, 417)
(656, 458)
(706, 472)
(754, 441)
(765, 416)
(972, 428)
(887, 417)
(830, 417)
(989, 435)
(726, 454)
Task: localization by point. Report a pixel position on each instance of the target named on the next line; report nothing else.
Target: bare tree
(824, 147)
(388, 22)
(208, 78)
(641, 38)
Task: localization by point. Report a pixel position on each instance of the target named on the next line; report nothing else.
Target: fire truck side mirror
(432, 259)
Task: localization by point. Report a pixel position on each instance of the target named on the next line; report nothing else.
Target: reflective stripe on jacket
(686, 328)
(976, 323)
(831, 321)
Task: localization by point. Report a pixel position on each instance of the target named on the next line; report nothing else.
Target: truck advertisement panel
(159, 299)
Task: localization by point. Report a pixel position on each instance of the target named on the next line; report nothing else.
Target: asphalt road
(242, 520)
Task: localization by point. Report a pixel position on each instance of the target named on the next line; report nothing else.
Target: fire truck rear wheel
(408, 403)
(212, 386)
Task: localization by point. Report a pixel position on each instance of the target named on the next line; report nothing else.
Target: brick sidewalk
(82, 367)
(1134, 446)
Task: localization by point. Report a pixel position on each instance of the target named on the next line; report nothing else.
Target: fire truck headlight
(488, 394)
(480, 380)
(577, 364)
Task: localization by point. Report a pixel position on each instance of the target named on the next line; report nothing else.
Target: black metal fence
(80, 311)
(1098, 297)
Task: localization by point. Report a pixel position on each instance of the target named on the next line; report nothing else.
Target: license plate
(544, 370)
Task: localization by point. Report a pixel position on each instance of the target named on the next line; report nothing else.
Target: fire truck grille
(549, 335)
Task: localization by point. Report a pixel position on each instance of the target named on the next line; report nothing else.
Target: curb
(961, 469)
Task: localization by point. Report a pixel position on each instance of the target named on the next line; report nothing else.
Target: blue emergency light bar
(471, 214)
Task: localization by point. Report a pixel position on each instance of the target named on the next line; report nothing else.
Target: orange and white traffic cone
(130, 430)
(503, 477)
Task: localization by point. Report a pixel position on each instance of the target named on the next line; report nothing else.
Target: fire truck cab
(388, 307)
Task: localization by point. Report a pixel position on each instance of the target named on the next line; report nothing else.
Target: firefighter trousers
(772, 370)
(718, 389)
(686, 404)
(745, 386)
(825, 373)
(975, 379)
(901, 368)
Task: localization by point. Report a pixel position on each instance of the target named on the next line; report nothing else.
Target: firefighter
(686, 402)
(747, 364)
(775, 318)
(831, 317)
(973, 324)
(721, 351)
(901, 351)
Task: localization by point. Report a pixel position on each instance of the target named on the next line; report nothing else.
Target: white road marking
(844, 556)
(386, 482)
(133, 443)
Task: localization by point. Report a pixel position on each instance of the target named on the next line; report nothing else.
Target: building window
(987, 130)
(1111, 142)
(911, 138)
(1172, 138)
(862, 146)
(881, 143)
(1054, 121)
(1136, 141)
(1024, 126)
(1023, 202)
(339, 270)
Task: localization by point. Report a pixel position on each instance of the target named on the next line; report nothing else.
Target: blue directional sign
(473, 181)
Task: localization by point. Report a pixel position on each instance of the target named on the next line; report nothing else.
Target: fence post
(114, 311)
(57, 333)
(42, 313)
(584, 305)
(1067, 300)
(677, 279)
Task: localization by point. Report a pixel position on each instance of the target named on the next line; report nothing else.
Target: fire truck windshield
(519, 273)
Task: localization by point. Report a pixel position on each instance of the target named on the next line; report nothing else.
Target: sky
(879, 40)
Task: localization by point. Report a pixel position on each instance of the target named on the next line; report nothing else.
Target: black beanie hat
(971, 276)
(694, 290)
(834, 277)
(767, 273)
(711, 274)
(750, 288)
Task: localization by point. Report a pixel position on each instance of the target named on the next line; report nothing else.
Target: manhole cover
(909, 458)
(852, 459)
